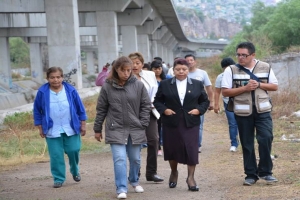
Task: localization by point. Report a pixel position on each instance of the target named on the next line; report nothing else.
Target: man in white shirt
(248, 84)
(201, 75)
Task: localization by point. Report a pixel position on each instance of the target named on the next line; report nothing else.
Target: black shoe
(57, 185)
(77, 178)
(154, 178)
(269, 178)
(172, 182)
(194, 188)
(249, 181)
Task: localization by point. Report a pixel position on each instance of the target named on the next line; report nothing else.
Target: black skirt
(181, 143)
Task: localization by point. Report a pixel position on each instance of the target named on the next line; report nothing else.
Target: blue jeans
(201, 130)
(233, 128)
(120, 153)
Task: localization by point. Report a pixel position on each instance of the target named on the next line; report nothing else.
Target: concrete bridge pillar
(154, 49)
(36, 64)
(129, 39)
(107, 32)
(5, 68)
(159, 51)
(144, 47)
(63, 39)
(90, 62)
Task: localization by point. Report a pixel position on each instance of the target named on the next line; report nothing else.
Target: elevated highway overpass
(108, 27)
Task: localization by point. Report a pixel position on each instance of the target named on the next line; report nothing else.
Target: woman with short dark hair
(181, 101)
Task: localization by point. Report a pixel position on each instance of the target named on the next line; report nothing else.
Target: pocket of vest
(263, 103)
(242, 105)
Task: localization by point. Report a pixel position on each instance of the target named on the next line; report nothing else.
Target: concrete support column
(159, 50)
(36, 64)
(129, 39)
(165, 57)
(90, 62)
(144, 47)
(5, 69)
(107, 32)
(63, 39)
(154, 49)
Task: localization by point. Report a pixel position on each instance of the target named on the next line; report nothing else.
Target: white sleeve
(170, 72)
(227, 78)
(272, 78)
(206, 80)
(218, 81)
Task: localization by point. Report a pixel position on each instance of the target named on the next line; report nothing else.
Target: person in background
(170, 71)
(124, 103)
(60, 117)
(248, 84)
(103, 75)
(180, 101)
(233, 130)
(201, 75)
(149, 80)
(164, 66)
(156, 67)
(146, 67)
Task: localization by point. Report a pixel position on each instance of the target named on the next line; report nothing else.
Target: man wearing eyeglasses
(252, 107)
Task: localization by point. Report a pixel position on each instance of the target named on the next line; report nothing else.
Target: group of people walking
(137, 105)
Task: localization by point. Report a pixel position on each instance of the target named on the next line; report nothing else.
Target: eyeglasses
(242, 55)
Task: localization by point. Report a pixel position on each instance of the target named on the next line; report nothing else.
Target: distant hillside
(197, 26)
(215, 19)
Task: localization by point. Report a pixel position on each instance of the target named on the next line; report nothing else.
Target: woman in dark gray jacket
(125, 104)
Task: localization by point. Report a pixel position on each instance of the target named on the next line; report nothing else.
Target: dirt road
(219, 176)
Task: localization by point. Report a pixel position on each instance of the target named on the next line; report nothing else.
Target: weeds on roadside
(20, 140)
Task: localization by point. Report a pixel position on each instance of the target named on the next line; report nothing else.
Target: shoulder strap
(252, 76)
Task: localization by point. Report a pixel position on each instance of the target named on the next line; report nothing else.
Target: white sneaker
(232, 149)
(159, 153)
(138, 189)
(199, 150)
(122, 195)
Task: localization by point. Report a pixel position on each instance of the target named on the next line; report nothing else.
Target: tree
(19, 52)
(283, 28)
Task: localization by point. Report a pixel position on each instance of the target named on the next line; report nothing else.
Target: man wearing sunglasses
(252, 107)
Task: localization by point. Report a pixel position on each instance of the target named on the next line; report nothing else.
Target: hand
(211, 106)
(98, 136)
(216, 110)
(82, 130)
(252, 85)
(194, 112)
(42, 134)
(169, 112)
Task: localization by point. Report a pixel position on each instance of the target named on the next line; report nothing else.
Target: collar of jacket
(174, 80)
(131, 79)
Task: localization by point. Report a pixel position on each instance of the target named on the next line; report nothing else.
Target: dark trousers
(152, 142)
(263, 125)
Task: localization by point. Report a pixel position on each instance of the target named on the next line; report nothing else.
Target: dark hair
(121, 62)
(146, 65)
(190, 55)
(180, 61)
(137, 55)
(176, 58)
(158, 58)
(54, 69)
(157, 64)
(246, 45)
(226, 62)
